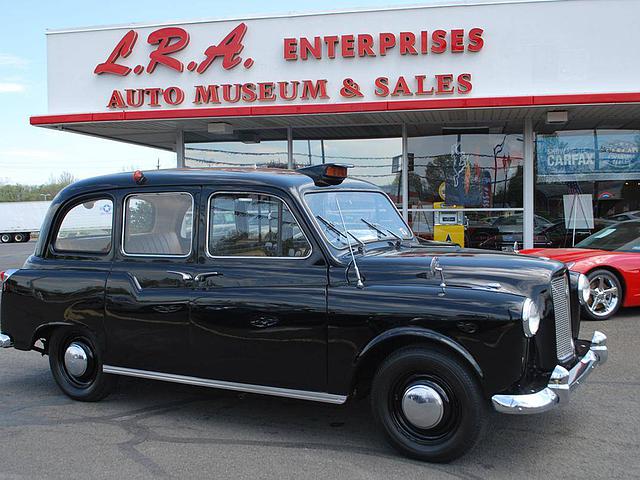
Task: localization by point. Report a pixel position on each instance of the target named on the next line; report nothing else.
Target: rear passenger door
(150, 287)
(259, 312)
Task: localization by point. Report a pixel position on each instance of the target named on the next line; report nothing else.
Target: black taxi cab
(302, 284)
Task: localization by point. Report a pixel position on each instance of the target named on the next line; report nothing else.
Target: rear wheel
(428, 403)
(605, 296)
(76, 365)
(5, 238)
(18, 237)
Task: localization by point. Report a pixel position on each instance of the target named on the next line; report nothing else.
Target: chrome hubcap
(422, 406)
(76, 360)
(603, 296)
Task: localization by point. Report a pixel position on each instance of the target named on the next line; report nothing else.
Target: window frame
(244, 192)
(155, 255)
(62, 214)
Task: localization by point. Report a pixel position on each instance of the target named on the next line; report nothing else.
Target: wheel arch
(45, 331)
(392, 340)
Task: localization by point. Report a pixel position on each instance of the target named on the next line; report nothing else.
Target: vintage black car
(301, 284)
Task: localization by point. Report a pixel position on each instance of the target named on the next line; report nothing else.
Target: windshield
(623, 237)
(368, 216)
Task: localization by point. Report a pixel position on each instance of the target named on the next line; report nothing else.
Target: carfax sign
(601, 155)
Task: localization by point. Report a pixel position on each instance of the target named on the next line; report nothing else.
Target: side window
(253, 225)
(86, 228)
(158, 224)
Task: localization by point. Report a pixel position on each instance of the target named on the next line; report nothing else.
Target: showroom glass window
(586, 180)
(236, 148)
(375, 160)
(478, 176)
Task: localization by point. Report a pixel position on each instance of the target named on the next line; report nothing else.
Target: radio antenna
(359, 283)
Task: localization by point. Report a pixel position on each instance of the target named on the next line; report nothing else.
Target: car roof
(263, 177)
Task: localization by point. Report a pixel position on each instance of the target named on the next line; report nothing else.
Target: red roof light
(139, 177)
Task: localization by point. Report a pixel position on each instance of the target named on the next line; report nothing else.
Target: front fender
(414, 333)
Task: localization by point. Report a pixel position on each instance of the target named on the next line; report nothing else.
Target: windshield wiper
(382, 231)
(332, 226)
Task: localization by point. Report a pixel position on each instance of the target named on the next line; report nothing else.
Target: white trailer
(18, 220)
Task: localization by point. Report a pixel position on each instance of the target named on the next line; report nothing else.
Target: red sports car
(610, 259)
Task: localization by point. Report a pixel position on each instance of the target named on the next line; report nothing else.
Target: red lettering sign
(169, 41)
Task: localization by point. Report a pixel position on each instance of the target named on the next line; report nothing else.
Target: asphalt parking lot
(149, 429)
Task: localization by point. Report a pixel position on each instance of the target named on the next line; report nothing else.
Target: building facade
(487, 122)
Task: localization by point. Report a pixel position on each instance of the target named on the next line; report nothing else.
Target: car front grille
(562, 311)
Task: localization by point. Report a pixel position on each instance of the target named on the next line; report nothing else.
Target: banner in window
(588, 156)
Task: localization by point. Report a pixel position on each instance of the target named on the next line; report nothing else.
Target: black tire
(609, 307)
(26, 237)
(6, 238)
(18, 237)
(91, 386)
(464, 410)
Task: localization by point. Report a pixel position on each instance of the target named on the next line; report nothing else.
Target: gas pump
(448, 226)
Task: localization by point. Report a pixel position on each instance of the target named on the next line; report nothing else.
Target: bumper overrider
(560, 386)
(5, 341)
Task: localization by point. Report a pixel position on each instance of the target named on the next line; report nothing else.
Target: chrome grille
(562, 312)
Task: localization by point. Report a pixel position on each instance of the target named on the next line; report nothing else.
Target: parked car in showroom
(610, 258)
(301, 284)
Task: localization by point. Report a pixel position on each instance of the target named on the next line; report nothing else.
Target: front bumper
(560, 386)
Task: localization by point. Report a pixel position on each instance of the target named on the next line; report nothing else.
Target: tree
(26, 193)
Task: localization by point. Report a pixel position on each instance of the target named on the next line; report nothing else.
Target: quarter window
(158, 224)
(86, 228)
(254, 225)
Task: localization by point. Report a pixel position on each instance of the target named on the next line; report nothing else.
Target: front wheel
(76, 365)
(605, 295)
(428, 403)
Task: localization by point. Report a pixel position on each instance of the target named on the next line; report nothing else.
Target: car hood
(565, 255)
(467, 268)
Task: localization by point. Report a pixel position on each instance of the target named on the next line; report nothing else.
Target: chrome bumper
(560, 385)
(5, 341)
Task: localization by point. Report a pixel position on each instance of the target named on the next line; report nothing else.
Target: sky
(33, 155)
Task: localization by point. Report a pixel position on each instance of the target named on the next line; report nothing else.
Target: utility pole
(158, 167)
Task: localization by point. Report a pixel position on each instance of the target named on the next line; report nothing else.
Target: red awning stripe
(396, 105)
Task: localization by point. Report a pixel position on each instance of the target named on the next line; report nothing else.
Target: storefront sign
(480, 53)
(593, 156)
(167, 42)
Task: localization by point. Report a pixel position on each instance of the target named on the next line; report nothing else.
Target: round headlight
(530, 317)
(584, 288)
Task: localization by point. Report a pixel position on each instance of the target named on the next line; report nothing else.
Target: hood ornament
(435, 269)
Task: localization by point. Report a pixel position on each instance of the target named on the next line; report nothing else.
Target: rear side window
(86, 228)
(253, 225)
(158, 224)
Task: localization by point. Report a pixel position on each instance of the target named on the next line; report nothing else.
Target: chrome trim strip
(244, 192)
(224, 385)
(156, 255)
(560, 386)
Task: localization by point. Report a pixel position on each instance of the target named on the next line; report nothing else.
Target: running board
(238, 387)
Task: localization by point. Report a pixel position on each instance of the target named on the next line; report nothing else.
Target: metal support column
(180, 149)
(290, 148)
(404, 178)
(528, 185)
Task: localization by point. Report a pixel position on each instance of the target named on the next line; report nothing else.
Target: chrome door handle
(185, 276)
(203, 276)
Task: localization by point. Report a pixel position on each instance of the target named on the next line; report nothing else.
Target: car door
(150, 288)
(259, 310)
